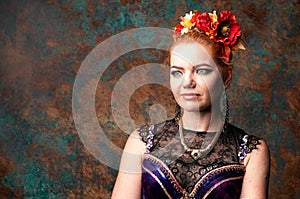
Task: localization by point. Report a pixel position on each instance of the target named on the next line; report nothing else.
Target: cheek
(175, 85)
(210, 84)
(214, 86)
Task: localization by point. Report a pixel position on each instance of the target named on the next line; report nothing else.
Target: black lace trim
(249, 143)
(252, 143)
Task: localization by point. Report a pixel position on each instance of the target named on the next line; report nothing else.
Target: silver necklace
(197, 153)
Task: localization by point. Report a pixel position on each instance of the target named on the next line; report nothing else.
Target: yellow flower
(186, 21)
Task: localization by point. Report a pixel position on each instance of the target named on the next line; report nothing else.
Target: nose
(189, 81)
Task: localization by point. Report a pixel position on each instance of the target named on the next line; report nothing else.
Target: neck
(203, 120)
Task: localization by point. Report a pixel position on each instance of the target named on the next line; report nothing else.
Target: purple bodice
(158, 182)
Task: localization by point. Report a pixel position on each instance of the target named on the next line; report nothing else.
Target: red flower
(228, 29)
(178, 29)
(208, 23)
(203, 22)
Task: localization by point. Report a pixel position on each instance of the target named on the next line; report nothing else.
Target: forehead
(190, 53)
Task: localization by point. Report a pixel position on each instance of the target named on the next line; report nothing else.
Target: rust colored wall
(43, 44)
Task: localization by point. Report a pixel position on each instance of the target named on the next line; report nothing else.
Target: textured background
(42, 45)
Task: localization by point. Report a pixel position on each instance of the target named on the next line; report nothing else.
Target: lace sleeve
(249, 143)
(147, 135)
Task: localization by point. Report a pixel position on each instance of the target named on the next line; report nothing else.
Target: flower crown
(223, 30)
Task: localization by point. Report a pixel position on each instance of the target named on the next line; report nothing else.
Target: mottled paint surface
(42, 45)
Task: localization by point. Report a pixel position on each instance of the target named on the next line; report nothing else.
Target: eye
(176, 73)
(202, 71)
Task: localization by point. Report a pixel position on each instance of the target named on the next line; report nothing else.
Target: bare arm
(255, 184)
(128, 183)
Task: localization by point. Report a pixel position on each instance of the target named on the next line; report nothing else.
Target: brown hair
(216, 50)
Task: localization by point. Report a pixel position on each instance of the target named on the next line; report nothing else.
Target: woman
(198, 154)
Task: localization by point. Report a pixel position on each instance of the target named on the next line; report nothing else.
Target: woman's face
(195, 80)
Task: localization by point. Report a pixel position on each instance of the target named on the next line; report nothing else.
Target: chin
(196, 108)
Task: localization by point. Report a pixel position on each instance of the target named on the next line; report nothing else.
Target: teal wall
(43, 44)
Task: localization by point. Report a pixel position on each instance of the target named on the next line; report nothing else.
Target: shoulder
(145, 132)
(154, 130)
(258, 154)
(249, 145)
(134, 144)
(141, 139)
(252, 148)
(152, 134)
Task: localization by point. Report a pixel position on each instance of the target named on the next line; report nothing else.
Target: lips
(190, 96)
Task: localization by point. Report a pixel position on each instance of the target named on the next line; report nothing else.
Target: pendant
(195, 154)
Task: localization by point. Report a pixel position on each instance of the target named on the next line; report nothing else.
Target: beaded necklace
(197, 153)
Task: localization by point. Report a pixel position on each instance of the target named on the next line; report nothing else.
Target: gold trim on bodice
(167, 172)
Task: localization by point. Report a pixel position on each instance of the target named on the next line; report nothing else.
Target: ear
(229, 74)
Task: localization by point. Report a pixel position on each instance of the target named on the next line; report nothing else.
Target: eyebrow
(195, 67)
(177, 67)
